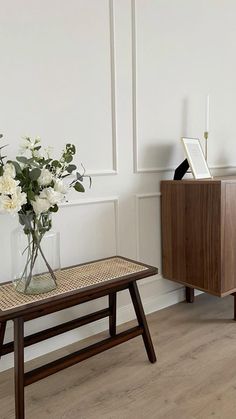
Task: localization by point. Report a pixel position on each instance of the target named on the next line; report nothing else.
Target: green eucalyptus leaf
(17, 166)
(70, 168)
(34, 174)
(56, 163)
(79, 177)
(68, 158)
(54, 208)
(22, 159)
(78, 187)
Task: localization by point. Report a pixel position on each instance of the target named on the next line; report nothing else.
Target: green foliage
(28, 169)
(34, 174)
(16, 165)
(71, 168)
(22, 159)
(54, 208)
(78, 187)
(2, 157)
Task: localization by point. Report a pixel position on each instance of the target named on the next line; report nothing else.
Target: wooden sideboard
(199, 234)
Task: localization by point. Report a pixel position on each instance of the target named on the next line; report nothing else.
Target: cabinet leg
(112, 316)
(234, 295)
(19, 367)
(138, 307)
(189, 292)
(2, 335)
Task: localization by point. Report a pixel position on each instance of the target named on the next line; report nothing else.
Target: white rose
(13, 203)
(8, 185)
(29, 144)
(9, 170)
(37, 154)
(40, 205)
(60, 187)
(51, 195)
(45, 177)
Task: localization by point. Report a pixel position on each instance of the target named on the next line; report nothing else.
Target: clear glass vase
(35, 254)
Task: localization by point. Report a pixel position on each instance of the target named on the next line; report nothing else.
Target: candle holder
(206, 133)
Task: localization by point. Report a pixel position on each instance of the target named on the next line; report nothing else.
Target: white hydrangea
(52, 196)
(13, 203)
(45, 177)
(8, 185)
(9, 170)
(40, 205)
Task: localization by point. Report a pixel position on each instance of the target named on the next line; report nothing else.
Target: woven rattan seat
(71, 279)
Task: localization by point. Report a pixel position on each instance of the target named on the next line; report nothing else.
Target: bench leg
(112, 316)
(2, 335)
(189, 292)
(19, 367)
(138, 307)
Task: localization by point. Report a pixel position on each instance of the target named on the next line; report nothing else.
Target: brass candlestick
(206, 141)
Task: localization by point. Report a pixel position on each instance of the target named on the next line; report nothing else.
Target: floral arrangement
(33, 186)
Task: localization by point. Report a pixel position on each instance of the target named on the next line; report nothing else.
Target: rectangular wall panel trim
(136, 167)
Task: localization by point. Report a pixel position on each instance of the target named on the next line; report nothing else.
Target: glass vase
(35, 254)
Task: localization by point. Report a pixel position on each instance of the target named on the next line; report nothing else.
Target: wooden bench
(76, 285)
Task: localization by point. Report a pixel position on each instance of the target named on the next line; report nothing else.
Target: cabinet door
(191, 234)
(228, 237)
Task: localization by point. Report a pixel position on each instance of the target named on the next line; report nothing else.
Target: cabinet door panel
(229, 237)
(191, 234)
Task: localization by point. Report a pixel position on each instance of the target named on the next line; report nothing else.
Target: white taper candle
(207, 113)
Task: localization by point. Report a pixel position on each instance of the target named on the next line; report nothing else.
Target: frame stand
(181, 170)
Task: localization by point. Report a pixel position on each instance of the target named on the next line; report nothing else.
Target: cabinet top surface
(216, 179)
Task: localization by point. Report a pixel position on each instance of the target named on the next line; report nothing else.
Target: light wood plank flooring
(195, 376)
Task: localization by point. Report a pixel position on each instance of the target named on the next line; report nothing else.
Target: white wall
(123, 81)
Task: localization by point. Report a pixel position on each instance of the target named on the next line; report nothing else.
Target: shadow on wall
(162, 153)
(167, 153)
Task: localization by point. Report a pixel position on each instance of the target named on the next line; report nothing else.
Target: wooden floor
(195, 376)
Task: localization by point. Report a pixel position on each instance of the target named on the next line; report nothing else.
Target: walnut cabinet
(199, 234)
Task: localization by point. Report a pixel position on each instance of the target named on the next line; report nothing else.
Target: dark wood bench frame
(22, 314)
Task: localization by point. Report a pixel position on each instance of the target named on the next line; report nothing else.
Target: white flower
(36, 154)
(45, 177)
(8, 185)
(29, 144)
(13, 203)
(40, 205)
(60, 187)
(52, 196)
(9, 170)
(48, 150)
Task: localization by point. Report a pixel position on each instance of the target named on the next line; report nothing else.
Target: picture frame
(196, 158)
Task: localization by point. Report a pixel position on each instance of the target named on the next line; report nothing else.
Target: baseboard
(151, 303)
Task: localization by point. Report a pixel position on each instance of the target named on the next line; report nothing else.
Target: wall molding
(172, 169)
(95, 201)
(138, 197)
(136, 167)
(114, 170)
